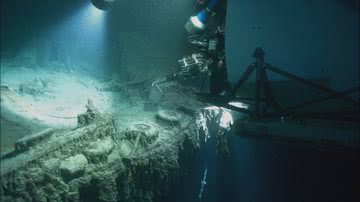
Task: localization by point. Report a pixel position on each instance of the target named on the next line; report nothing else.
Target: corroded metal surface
(71, 165)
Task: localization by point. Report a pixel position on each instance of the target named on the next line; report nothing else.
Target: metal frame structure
(263, 86)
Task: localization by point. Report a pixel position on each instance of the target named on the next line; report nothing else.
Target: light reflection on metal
(221, 115)
(239, 105)
(203, 183)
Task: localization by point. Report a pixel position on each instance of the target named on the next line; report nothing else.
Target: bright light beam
(95, 16)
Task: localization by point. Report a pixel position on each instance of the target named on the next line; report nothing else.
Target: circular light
(102, 4)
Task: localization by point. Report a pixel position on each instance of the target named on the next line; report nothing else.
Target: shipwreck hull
(91, 163)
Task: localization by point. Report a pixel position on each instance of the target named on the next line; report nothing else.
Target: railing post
(259, 56)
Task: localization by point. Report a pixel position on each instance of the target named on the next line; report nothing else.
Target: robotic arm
(190, 67)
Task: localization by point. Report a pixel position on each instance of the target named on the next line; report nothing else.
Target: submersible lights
(198, 22)
(94, 16)
(102, 4)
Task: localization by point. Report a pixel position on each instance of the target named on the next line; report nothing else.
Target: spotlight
(194, 25)
(95, 16)
(102, 4)
(197, 23)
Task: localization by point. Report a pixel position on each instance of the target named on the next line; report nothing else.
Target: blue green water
(267, 171)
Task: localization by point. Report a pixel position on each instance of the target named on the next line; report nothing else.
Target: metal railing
(263, 87)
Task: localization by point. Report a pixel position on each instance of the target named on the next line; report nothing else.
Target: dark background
(268, 171)
(309, 38)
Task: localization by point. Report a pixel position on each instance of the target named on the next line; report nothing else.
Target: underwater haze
(83, 118)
